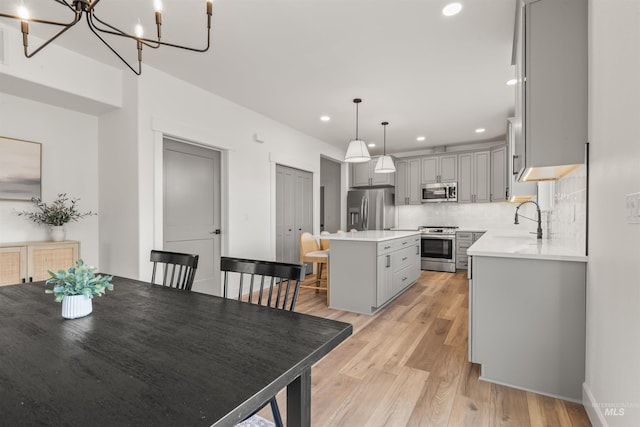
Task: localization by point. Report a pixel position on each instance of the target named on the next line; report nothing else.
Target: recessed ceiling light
(325, 118)
(420, 138)
(371, 144)
(452, 9)
(511, 82)
(480, 130)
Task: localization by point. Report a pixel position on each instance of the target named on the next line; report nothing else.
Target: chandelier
(100, 27)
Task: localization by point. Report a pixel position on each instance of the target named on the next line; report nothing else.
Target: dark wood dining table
(154, 356)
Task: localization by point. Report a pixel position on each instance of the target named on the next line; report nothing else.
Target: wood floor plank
(407, 366)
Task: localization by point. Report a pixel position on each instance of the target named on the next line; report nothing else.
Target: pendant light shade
(385, 163)
(357, 151)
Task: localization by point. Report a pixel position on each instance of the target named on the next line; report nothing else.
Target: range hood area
(550, 57)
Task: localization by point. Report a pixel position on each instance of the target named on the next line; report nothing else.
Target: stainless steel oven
(438, 249)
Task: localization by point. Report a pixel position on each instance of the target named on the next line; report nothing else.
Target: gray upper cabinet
(518, 191)
(551, 95)
(362, 175)
(408, 182)
(499, 178)
(439, 168)
(474, 177)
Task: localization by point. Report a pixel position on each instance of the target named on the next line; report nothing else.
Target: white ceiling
(295, 60)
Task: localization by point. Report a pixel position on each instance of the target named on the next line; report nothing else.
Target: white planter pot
(76, 306)
(57, 233)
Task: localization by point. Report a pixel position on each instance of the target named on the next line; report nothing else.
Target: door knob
(216, 231)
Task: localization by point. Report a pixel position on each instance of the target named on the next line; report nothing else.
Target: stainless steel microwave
(440, 192)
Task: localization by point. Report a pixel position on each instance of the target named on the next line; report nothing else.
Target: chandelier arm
(41, 21)
(138, 72)
(154, 44)
(45, 44)
(115, 31)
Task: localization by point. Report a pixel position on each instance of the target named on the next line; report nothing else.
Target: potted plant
(56, 214)
(76, 287)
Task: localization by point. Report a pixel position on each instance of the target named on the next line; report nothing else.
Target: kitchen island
(367, 269)
(527, 300)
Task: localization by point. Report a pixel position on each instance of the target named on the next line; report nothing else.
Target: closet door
(294, 211)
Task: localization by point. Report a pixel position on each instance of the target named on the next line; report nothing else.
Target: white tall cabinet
(294, 211)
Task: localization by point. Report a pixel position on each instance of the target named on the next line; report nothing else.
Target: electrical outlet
(633, 208)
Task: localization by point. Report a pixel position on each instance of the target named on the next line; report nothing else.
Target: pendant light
(357, 151)
(385, 163)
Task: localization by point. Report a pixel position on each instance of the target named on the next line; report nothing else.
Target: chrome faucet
(539, 231)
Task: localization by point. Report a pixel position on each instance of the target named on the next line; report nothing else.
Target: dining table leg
(299, 401)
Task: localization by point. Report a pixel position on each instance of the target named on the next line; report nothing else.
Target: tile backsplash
(565, 220)
(568, 218)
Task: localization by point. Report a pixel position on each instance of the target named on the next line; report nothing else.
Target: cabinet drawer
(460, 235)
(401, 279)
(402, 258)
(386, 247)
(463, 245)
(462, 262)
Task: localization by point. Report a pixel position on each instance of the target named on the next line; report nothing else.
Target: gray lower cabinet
(366, 275)
(464, 240)
(527, 323)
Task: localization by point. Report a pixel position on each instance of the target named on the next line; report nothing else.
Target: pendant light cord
(356, 121)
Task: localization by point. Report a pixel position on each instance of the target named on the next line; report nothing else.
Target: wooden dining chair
(324, 243)
(272, 284)
(310, 252)
(179, 269)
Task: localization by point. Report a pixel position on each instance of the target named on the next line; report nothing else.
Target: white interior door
(191, 190)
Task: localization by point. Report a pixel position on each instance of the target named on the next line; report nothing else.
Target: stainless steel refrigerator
(371, 209)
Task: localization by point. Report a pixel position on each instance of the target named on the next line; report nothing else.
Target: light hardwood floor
(407, 366)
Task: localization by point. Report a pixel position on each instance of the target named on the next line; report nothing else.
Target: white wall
(173, 107)
(613, 284)
(69, 165)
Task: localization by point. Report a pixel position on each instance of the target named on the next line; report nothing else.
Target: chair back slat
(185, 264)
(279, 274)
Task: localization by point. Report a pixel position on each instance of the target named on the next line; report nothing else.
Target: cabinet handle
(387, 247)
(404, 259)
(24, 280)
(388, 261)
(513, 164)
(404, 243)
(417, 250)
(404, 278)
(30, 279)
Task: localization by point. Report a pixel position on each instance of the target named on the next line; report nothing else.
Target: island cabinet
(31, 261)
(441, 168)
(408, 182)
(370, 268)
(363, 175)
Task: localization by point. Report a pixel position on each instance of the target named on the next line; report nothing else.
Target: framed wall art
(20, 169)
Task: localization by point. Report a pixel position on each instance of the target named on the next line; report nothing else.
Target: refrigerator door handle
(366, 213)
(361, 221)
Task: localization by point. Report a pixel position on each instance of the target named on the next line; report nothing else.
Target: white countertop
(511, 245)
(371, 235)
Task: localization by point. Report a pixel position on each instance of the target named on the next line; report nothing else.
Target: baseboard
(555, 396)
(594, 411)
